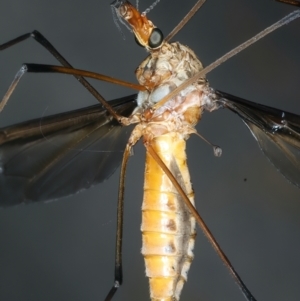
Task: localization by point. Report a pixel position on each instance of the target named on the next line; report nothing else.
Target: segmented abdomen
(168, 229)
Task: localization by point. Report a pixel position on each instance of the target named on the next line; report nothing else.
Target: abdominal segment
(168, 228)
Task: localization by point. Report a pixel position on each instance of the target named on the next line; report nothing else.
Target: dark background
(65, 250)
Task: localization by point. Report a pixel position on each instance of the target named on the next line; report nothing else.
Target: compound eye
(156, 38)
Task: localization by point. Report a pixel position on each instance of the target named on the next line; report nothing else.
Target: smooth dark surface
(64, 250)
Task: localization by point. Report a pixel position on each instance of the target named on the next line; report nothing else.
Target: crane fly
(194, 181)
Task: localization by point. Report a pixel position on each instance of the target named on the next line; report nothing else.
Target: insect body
(170, 245)
(168, 228)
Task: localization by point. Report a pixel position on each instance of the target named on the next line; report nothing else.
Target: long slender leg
(291, 2)
(40, 68)
(78, 75)
(120, 213)
(285, 20)
(184, 20)
(48, 46)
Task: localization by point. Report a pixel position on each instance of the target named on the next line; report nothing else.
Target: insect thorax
(163, 71)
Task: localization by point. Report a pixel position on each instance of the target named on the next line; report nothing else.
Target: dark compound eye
(156, 38)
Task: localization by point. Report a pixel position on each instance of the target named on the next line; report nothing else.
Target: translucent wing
(45, 159)
(277, 133)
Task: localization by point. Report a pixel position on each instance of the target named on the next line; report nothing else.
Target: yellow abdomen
(168, 229)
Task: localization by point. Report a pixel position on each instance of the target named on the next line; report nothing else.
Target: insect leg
(285, 20)
(48, 46)
(40, 68)
(120, 214)
(185, 19)
(291, 2)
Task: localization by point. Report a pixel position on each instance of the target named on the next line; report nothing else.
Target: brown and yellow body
(168, 229)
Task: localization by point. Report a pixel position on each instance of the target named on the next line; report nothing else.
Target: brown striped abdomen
(168, 229)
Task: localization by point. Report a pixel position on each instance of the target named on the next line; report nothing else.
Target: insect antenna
(150, 7)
